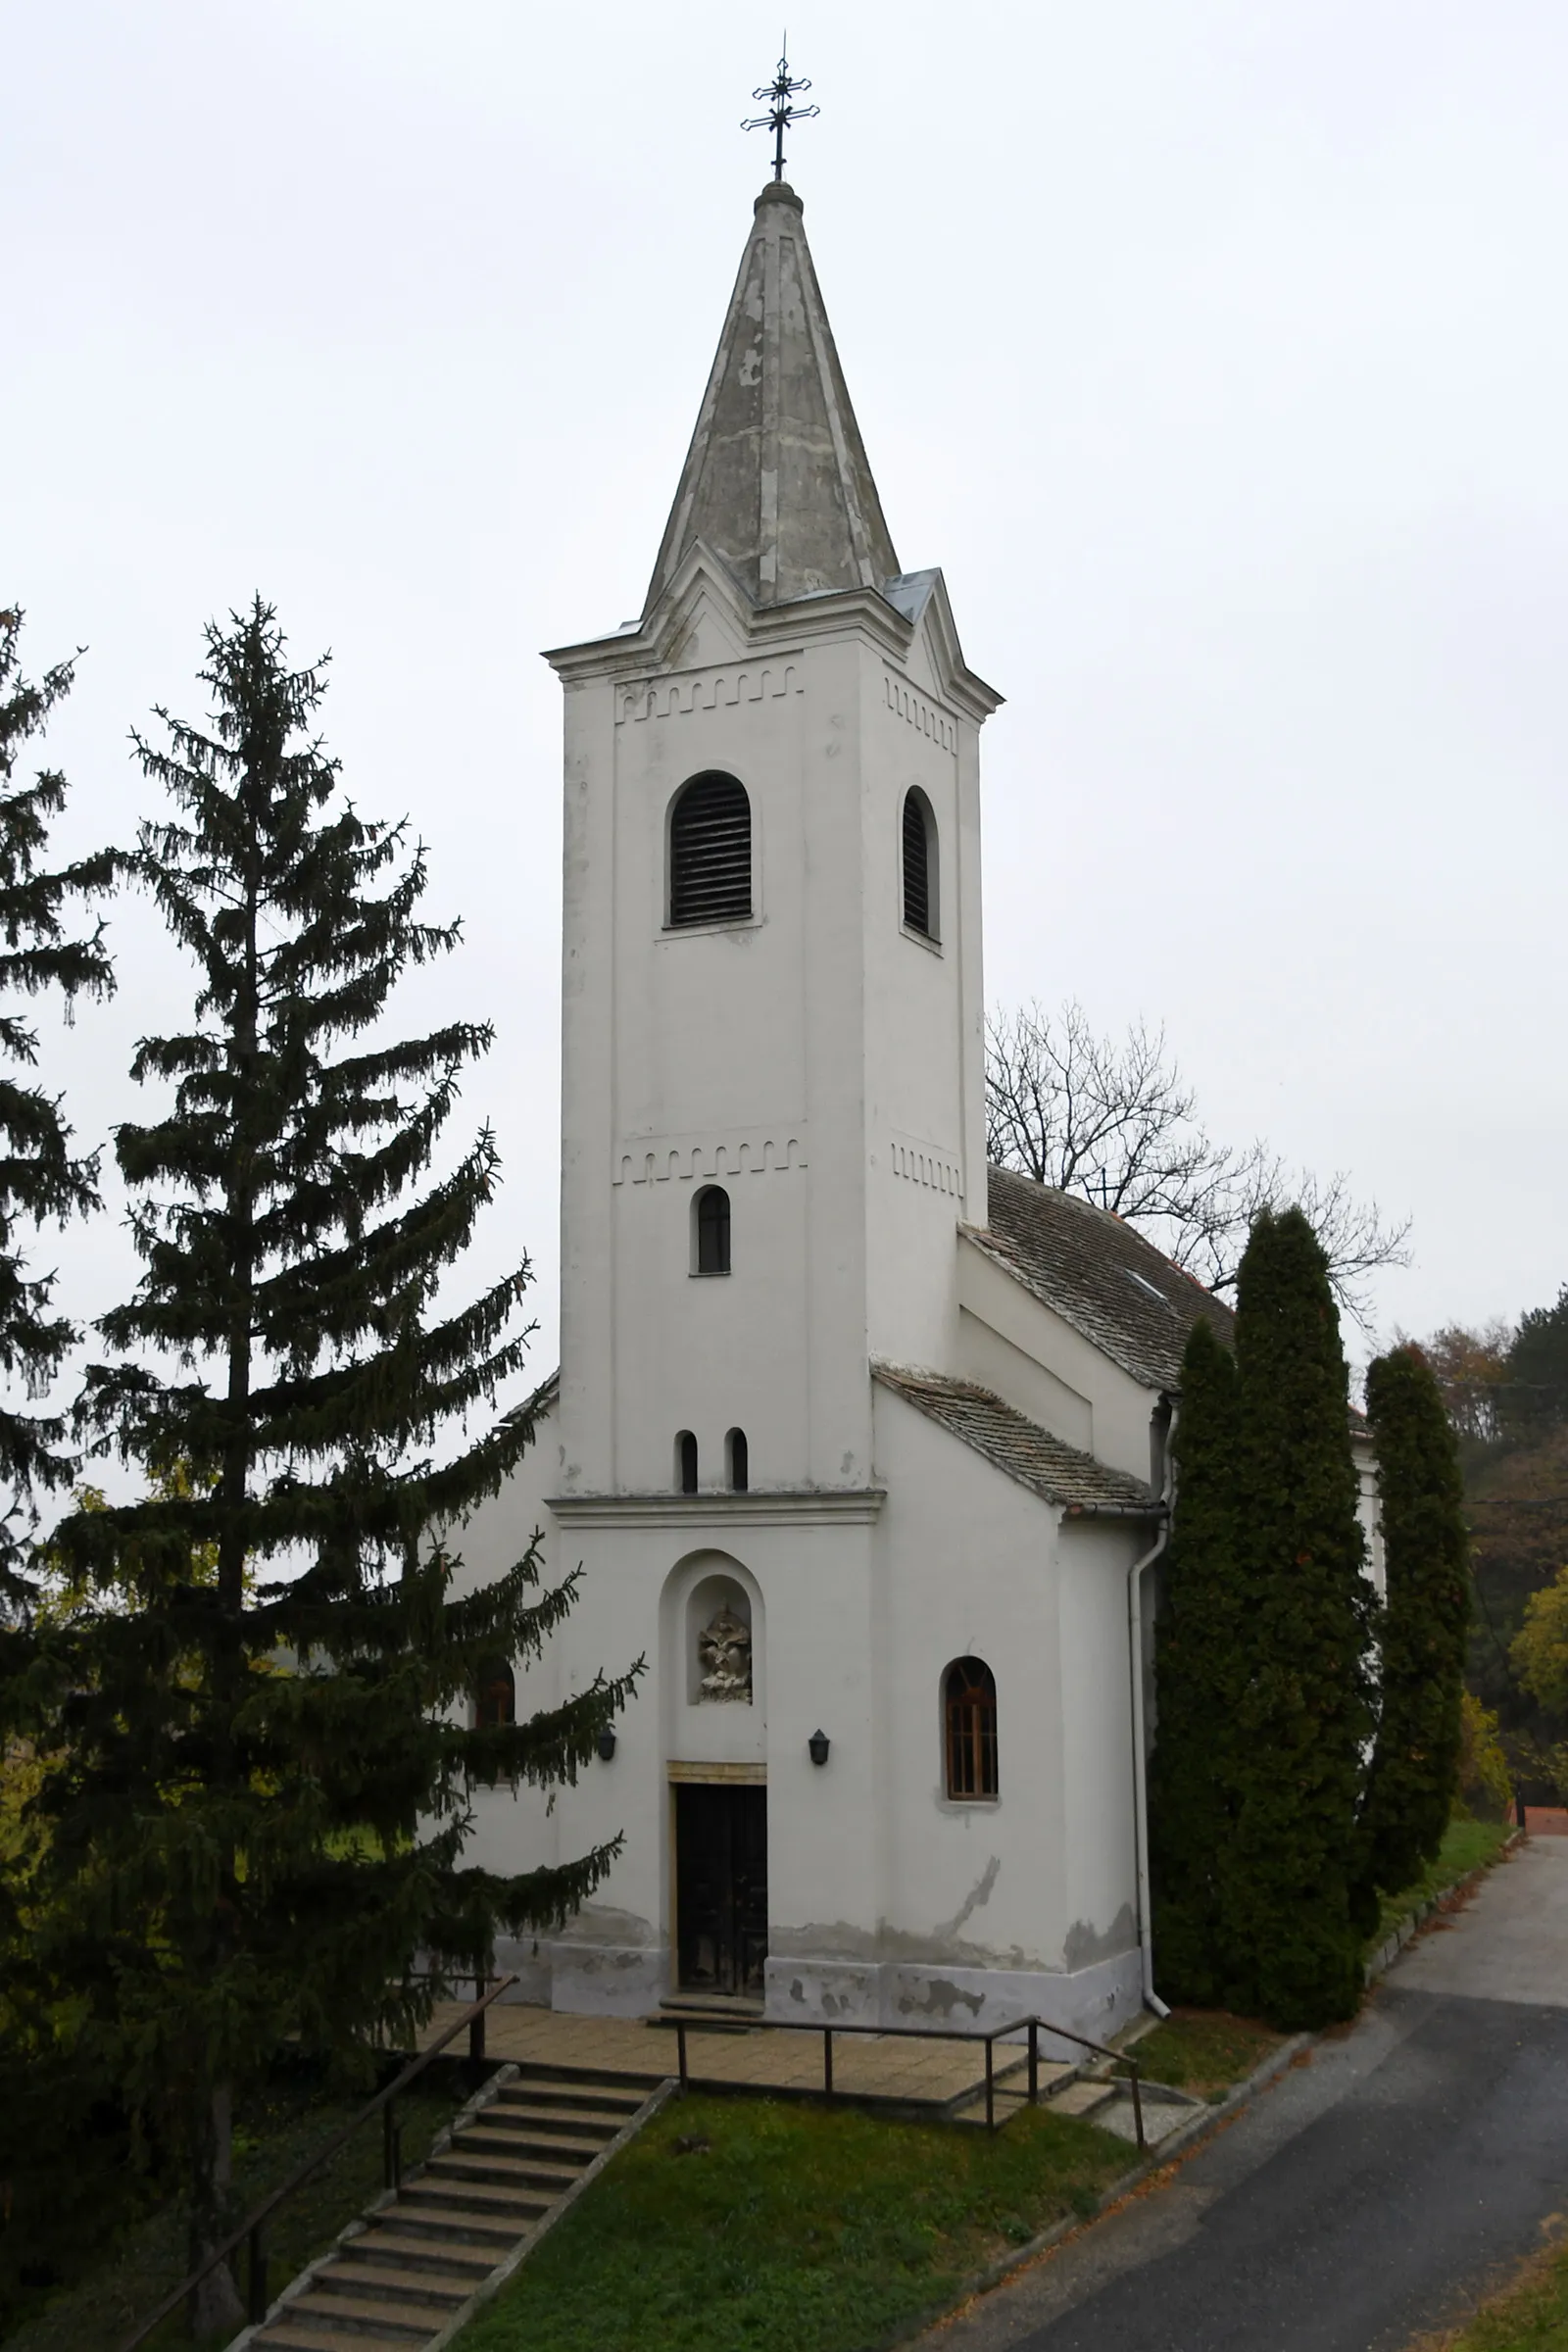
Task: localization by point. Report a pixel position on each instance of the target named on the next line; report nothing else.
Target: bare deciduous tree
(1116, 1120)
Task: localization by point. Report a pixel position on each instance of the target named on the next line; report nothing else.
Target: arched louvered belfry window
(686, 1462)
(921, 899)
(711, 853)
(712, 1210)
(740, 1461)
(495, 1698)
(970, 1729)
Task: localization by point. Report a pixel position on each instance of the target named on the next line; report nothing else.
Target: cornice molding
(853, 1506)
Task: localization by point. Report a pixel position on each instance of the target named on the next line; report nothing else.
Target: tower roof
(776, 481)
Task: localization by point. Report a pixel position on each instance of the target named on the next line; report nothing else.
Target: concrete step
(385, 2317)
(1084, 2097)
(451, 2223)
(380, 2280)
(501, 2172)
(572, 2123)
(284, 2336)
(503, 2136)
(597, 2086)
(470, 2202)
(708, 2016)
(463, 2264)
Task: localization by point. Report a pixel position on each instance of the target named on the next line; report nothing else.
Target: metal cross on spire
(778, 93)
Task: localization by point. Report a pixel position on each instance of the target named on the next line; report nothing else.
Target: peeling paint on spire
(776, 481)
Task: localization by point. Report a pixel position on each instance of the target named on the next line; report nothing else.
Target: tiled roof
(1122, 1294)
(1018, 1446)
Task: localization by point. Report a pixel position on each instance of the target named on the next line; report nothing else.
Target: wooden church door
(720, 1887)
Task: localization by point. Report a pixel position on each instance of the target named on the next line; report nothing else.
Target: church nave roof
(1019, 1447)
(1127, 1297)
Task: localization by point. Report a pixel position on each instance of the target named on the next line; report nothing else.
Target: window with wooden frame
(711, 853)
(495, 1697)
(970, 1729)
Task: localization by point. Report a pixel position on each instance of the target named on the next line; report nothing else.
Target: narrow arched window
(495, 1697)
(970, 1716)
(711, 853)
(712, 1212)
(921, 899)
(739, 1461)
(686, 1462)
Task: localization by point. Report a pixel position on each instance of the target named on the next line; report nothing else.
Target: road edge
(1177, 2144)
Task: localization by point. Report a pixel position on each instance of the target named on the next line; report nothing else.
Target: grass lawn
(1467, 1845)
(1203, 2051)
(763, 2226)
(1531, 2316)
(278, 2131)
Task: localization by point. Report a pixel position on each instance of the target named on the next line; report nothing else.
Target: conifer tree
(1425, 1625)
(1290, 1931)
(42, 1183)
(262, 1813)
(1202, 1657)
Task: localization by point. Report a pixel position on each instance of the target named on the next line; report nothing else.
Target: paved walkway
(868, 2066)
(1371, 2194)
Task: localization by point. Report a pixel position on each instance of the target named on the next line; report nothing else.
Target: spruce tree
(261, 1812)
(42, 1183)
(1425, 1626)
(1202, 1659)
(1291, 1935)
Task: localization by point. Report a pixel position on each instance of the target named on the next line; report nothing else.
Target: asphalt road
(1371, 2194)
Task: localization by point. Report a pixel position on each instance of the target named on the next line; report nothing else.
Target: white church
(863, 1443)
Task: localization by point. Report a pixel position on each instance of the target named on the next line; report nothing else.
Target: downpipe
(1135, 1660)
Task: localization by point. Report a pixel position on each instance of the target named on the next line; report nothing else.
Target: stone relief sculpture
(725, 1654)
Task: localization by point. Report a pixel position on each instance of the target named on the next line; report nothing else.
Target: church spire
(776, 481)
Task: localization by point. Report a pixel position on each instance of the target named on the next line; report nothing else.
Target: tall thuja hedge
(1290, 1934)
(1201, 1668)
(1426, 1623)
(260, 1809)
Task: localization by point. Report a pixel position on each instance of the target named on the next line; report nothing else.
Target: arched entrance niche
(714, 1656)
(712, 1639)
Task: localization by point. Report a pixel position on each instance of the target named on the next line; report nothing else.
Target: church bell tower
(772, 1043)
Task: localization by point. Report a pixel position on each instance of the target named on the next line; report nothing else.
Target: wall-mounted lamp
(817, 1746)
(607, 1743)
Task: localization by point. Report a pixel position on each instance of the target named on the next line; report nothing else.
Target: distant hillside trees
(1505, 1390)
(265, 1742)
(1115, 1119)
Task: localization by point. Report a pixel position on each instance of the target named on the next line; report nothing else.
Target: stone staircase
(400, 2280)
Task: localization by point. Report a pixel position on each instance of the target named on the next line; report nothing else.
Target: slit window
(711, 853)
(969, 1712)
(686, 1462)
(712, 1230)
(919, 866)
(739, 1461)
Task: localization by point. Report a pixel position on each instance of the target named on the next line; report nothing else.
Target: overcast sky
(1217, 353)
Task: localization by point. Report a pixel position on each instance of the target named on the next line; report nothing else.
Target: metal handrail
(1033, 2025)
(251, 2228)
